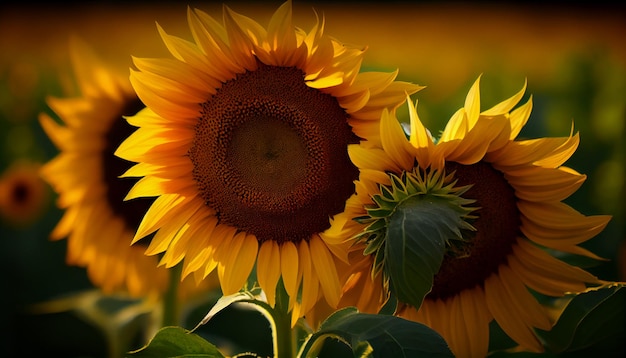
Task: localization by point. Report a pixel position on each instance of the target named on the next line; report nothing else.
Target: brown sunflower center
(131, 211)
(270, 155)
(497, 228)
(21, 193)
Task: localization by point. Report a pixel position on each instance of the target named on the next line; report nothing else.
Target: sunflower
(23, 194)
(98, 224)
(244, 145)
(509, 196)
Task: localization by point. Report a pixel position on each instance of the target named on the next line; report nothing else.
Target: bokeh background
(573, 57)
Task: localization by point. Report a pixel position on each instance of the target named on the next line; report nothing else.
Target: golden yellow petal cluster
(244, 145)
(518, 186)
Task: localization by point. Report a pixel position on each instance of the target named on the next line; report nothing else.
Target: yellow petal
(269, 269)
(553, 282)
(532, 312)
(310, 282)
(158, 213)
(200, 251)
(420, 137)
(395, 94)
(394, 141)
(507, 105)
(519, 117)
(210, 37)
(65, 225)
(183, 238)
(560, 216)
(509, 318)
(281, 35)
(354, 102)
(456, 127)
(166, 77)
(235, 261)
(331, 80)
(475, 144)
(163, 106)
(205, 75)
(289, 268)
(544, 266)
(561, 155)
(469, 324)
(540, 184)
(372, 82)
(472, 104)
(326, 270)
(90, 70)
(561, 239)
(548, 152)
(145, 187)
(181, 214)
(373, 158)
(160, 243)
(242, 33)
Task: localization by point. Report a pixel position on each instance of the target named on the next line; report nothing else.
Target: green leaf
(224, 302)
(177, 342)
(594, 320)
(371, 335)
(417, 234)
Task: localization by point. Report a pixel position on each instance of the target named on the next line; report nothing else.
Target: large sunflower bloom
(98, 224)
(516, 187)
(244, 144)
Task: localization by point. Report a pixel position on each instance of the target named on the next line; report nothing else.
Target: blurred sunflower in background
(98, 224)
(244, 145)
(510, 218)
(23, 195)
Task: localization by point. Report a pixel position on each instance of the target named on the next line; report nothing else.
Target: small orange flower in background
(23, 194)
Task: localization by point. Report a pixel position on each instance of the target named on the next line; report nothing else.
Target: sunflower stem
(285, 342)
(170, 299)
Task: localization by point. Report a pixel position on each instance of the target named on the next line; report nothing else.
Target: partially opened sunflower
(508, 196)
(244, 145)
(98, 224)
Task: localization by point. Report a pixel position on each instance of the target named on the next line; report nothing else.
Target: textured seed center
(270, 155)
(498, 226)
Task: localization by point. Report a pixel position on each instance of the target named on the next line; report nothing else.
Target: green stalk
(170, 300)
(285, 344)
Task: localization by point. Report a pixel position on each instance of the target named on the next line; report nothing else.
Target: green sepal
(374, 242)
(399, 189)
(387, 193)
(416, 240)
(177, 342)
(375, 226)
(383, 202)
(370, 335)
(380, 212)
